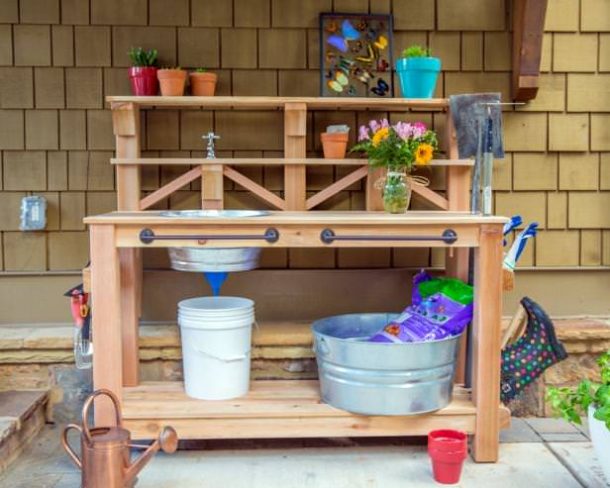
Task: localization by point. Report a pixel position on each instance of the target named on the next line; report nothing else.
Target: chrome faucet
(210, 136)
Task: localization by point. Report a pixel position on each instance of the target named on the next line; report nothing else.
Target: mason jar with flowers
(398, 148)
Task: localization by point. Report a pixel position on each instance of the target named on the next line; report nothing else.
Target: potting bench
(284, 408)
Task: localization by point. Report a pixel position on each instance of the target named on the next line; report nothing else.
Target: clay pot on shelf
(203, 84)
(334, 144)
(448, 450)
(143, 81)
(172, 82)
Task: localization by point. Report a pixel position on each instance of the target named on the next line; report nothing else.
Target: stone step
(22, 416)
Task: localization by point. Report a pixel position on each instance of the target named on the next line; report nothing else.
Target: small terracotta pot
(334, 144)
(172, 82)
(143, 81)
(203, 84)
(447, 449)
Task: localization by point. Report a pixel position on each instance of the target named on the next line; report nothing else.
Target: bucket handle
(232, 359)
(321, 347)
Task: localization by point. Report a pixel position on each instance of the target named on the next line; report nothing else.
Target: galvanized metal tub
(206, 260)
(381, 378)
(200, 260)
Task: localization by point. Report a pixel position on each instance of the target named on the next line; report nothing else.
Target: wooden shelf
(275, 103)
(273, 162)
(276, 409)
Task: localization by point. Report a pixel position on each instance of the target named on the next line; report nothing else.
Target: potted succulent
(417, 72)
(203, 84)
(591, 399)
(398, 148)
(172, 81)
(334, 141)
(143, 72)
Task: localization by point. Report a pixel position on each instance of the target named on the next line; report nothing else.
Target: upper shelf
(270, 103)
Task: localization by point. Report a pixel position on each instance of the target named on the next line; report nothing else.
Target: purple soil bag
(431, 317)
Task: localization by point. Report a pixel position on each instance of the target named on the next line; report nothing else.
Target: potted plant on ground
(172, 81)
(591, 399)
(203, 84)
(398, 148)
(143, 72)
(417, 72)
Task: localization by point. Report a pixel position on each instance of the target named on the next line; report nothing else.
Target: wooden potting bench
(284, 408)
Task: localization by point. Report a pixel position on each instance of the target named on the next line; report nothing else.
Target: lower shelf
(275, 409)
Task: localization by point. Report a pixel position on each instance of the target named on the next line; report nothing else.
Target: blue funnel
(216, 279)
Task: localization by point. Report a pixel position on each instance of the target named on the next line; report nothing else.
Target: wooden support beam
(374, 195)
(170, 188)
(295, 132)
(431, 196)
(336, 187)
(528, 31)
(259, 191)
(212, 188)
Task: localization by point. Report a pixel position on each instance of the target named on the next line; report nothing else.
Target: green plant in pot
(399, 148)
(593, 400)
(172, 81)
(203, 83)
(417, 72)
(143, 71)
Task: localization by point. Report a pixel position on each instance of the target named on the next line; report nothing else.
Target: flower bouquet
(399, 148)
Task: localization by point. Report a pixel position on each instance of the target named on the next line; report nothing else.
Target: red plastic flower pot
(143, 81)
(448, 450)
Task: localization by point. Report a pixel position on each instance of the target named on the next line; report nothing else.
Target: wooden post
(212, 190)
(458, 196)
(126, 127)
(486, 332)
(295, 133)
(107, 337)
(374, 197)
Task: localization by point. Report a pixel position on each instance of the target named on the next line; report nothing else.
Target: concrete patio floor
(534, 453)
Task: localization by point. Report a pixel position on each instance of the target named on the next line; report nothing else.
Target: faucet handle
(168, 440)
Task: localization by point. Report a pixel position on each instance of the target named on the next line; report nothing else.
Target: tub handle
(233, 359)
(321, 347)
(328, 236)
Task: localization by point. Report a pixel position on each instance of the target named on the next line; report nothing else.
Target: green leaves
(141, 58)
(571, 403)
(416, 51)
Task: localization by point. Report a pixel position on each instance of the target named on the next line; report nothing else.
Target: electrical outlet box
(33, 213)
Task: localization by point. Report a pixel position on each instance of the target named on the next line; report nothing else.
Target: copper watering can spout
(105, 460)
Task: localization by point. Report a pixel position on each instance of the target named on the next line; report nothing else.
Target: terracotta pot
(143, 81)
(334, 144)
(448, 450)
(203, 84)
(172, 82)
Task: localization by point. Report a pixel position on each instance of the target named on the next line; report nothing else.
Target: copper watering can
(105, 460)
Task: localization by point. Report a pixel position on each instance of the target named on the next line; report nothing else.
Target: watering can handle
(87, 406)
(66, 445)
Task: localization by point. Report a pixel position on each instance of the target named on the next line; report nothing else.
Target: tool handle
(66, 445)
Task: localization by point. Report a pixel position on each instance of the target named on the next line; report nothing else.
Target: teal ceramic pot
(418, 76)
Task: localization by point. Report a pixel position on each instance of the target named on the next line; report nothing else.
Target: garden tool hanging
(81, 314)
(105, 456)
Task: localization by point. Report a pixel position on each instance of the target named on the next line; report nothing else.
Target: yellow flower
(380, 135)
(423, 154)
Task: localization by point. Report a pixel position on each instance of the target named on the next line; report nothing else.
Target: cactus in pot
(203, 83)
(172, 81)
(143, 71)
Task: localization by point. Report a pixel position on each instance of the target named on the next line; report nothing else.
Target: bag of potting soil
(441, 307)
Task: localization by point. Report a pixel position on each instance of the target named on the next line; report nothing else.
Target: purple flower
(403, 129)
(384, 123)
(374, 125)
(363, 133)
(419, 129)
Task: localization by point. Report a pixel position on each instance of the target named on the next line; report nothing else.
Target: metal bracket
(328, 236)
(271, 235)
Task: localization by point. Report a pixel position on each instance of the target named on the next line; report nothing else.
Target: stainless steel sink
(199, 260)
(227, 214)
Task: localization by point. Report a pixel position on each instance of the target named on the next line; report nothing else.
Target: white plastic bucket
(216, 340)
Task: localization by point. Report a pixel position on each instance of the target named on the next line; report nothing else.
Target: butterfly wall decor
(356, 55)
